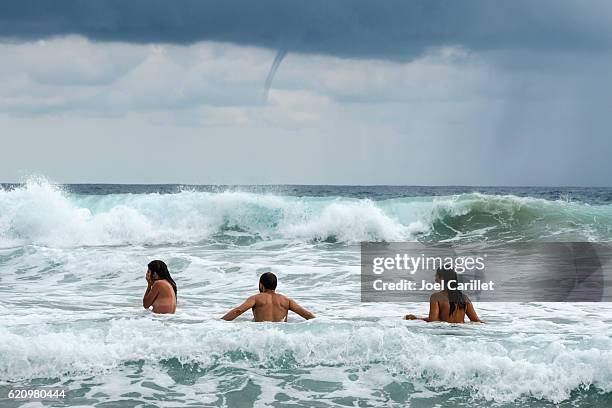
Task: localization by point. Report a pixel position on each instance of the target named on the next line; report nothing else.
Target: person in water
(161, 289)
(449, 305)
(267, 305)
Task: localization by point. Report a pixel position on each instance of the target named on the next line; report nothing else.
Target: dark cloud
(396, 29)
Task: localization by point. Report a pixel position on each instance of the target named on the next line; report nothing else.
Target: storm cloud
(394, 29)
(367, 92)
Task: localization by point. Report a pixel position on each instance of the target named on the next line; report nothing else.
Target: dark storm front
(518, 272)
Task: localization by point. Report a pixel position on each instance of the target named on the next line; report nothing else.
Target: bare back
(165, 301)
(270, 307)
(440, 309)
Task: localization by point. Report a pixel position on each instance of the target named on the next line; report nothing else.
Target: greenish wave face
(43, 214)
(90, 333)
(499, 219)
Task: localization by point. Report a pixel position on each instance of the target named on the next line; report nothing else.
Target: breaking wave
(43, 214)
(487, 365)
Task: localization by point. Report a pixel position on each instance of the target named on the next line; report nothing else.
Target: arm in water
(434, 312)
(234, 313)
(296, 308)
(471, 313)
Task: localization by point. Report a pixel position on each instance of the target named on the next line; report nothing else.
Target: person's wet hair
(268, 281)
(455, 297)
(161, 269)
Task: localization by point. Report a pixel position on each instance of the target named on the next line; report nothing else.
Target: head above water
(445, 274)
(267, 281)
(159, 271)
(456, 299)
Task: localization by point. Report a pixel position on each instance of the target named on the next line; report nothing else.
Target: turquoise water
(72, 263)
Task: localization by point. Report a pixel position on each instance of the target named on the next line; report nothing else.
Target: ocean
(72, 266)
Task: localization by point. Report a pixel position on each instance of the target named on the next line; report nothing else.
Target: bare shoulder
(283, 298)
(162, 285)
(258, 298)
(437, 297)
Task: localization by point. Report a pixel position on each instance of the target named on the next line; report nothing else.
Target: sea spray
(496, 365)
(42, 214)
(72, 274)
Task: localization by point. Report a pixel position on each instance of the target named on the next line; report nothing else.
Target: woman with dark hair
(449, 305)
(161, 289)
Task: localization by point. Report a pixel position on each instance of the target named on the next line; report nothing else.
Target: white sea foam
(493, 363)
(40, 213)
(72, 274)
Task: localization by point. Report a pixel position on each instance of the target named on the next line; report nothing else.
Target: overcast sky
(366, 92)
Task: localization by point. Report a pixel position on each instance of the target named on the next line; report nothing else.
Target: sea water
(72, 266)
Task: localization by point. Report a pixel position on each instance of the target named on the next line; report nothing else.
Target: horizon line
(314, 185)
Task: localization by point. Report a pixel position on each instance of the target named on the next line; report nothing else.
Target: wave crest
(487, 367)
(39, 213)
(43, 214)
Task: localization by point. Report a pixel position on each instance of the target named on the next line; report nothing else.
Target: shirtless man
(268, 306)
(161, 289)
(448, 305)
